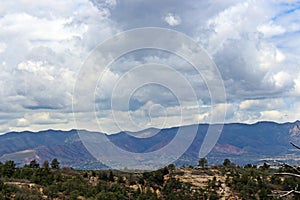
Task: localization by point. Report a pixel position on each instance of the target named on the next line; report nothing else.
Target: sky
(255, 45)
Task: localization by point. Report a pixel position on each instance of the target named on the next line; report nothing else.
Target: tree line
(50, 181)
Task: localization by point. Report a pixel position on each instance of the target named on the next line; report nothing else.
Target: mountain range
(241, 143)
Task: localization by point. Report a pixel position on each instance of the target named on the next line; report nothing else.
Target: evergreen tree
(202, 162)
(227, 162)
(111, 176)
(8, 168)
(34, 164)
(46, 165)
(55, 164)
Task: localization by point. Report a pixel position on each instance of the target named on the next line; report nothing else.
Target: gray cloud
(255, 45)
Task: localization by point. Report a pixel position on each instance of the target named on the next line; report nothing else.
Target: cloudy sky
(44, 44)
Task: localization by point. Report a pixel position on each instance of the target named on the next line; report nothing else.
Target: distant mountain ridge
(241, 143)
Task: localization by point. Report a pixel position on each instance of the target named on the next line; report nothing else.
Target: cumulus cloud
(255, 45)
(270, 30)
(42, 45)
(2, 47)
(172, 19)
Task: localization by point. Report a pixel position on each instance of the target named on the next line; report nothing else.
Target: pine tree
(55, 164)
(202, 162)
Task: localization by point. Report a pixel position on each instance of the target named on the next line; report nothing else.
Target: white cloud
(42, 47)
(255, 45)
(231, 23)
(269, 57)
(297, 85)
(270, 30)
(2, 47)
(260, 104)
(271, 115)
(172, 19)
(281, 79)
(22, 122)
(33, 28)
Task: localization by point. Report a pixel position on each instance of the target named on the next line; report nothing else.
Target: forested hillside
(227, 181)
(241, 143)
